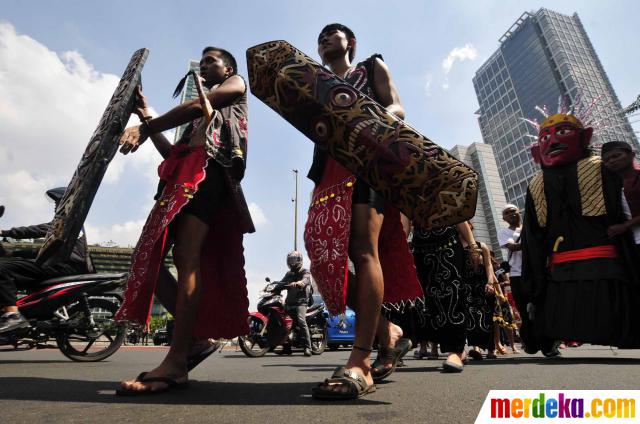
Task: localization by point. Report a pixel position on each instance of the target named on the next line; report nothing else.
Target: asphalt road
(44, 387)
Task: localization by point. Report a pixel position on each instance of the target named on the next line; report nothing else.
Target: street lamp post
(295, 212)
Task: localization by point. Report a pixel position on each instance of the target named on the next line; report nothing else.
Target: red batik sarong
(223, 306)
(326, 238)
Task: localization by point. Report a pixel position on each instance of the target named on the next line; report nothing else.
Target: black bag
(309, 293)
(505, 266)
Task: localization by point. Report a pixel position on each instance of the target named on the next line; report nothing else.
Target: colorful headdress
(595, 114)
(560, 118)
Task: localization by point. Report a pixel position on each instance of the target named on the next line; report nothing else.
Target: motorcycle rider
(298, 293)
(18, 269)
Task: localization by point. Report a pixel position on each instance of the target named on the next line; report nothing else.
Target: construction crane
(632, 107)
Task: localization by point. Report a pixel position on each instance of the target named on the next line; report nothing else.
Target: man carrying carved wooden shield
(201, 212)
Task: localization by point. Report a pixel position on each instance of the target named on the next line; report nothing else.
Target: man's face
(332, 44)
(213, 68)
(560, 144)
(617, 160)
(511, 216)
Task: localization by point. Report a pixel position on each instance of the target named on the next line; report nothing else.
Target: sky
(60, 62)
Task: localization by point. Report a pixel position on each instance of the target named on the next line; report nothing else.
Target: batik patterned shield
(73, 208)
(410, 171)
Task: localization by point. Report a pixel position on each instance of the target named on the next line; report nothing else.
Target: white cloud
(24, 197)
(468, 52)
(428, 79)
(50, 105)
(255, 284)
(125, 235)
(257, 215)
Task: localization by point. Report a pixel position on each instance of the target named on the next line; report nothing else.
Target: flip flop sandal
(171, 385)
(378, 370)
(194, 360)
(342, 377)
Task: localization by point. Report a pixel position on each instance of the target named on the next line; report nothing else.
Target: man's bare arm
(219, 97)
(162, 145)
(188, 111)
(623, 227)
(513, 247)
(142, 109)
(466, 234)
(386, 89)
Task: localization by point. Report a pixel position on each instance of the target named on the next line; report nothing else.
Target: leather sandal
(354, 382)
(378, 370)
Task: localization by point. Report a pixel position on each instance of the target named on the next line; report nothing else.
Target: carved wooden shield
(73, 208)
(423, 180)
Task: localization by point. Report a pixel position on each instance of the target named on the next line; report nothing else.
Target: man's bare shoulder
(234, 84)
(380, 65)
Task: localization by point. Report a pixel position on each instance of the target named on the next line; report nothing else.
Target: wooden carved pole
(74, 206)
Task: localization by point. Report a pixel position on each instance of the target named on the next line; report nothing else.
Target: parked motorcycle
(272, 327)
(76, 311)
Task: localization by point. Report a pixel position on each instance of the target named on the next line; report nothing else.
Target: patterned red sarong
(326, 238)
(223, 306)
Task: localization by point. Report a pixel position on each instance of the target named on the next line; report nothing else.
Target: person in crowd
(21, 271)
(373, 230)
(201, 212)
(480, 301)
(504, 319)
(298, 293)
(440, 262)
(619, 158)
(579, 284)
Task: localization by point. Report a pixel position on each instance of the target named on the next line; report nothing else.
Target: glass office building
(545, 56)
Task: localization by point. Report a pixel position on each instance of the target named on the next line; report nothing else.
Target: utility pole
(295, 213)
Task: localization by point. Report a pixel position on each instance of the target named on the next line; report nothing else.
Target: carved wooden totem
(73, 208)
(414, 174)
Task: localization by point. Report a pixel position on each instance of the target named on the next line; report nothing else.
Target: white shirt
(627, 213)
(505, 236)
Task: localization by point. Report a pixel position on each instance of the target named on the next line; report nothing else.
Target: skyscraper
(189, 92)
(545, 56)
(491, 200)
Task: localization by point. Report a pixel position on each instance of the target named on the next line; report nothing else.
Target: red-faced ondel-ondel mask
(562, 140)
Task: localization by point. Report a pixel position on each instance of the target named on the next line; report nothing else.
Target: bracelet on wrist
(145, 125)
(145, 115)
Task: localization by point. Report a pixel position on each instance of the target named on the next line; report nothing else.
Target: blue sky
(59, 63)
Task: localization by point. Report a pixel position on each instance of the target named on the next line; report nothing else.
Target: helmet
(56, 194)
(294, 260)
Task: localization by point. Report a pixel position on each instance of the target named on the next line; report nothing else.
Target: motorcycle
(76, 311)
(272, 327)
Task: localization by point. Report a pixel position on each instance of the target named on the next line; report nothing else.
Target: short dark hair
(343, 28)
(227, 57)
(611, 145)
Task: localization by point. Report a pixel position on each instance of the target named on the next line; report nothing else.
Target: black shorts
(211, 195)
(363, 194)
